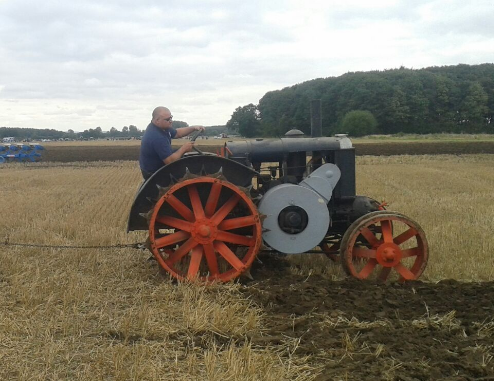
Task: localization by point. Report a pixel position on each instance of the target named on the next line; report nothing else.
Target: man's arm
(184, 131)
(187, 147)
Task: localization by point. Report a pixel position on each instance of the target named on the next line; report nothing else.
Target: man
(156, 150)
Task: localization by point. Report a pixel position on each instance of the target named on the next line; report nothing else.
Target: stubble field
(97, 314)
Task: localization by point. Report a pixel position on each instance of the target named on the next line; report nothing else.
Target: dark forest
(454, 99)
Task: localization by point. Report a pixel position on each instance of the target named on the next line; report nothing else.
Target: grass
(94, 315)
(98, 315)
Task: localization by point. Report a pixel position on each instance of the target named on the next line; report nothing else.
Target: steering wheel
(193, 139)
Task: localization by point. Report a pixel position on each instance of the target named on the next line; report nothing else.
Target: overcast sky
(82, 64)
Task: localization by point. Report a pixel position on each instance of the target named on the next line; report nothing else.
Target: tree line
(456, 99)
(130, 131)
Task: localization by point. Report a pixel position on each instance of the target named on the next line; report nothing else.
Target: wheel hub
(204, 231)
(388, 254)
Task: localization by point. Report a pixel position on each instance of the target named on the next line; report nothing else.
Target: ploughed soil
(355, 330)
(109, 153)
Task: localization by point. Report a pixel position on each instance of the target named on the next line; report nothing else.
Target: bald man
(156, 149)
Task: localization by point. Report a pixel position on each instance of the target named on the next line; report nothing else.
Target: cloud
(91, 63)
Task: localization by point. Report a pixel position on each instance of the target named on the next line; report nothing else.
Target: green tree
(133, 131)
(359, 123)
(113, 132)
(179, 124)
(245, 121)
(396, 112)
(430, 100)
(474, 106)
(98, 132)
(71, 134)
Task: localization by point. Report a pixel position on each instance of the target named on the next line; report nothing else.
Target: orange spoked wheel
(384, 245)
(205, 228)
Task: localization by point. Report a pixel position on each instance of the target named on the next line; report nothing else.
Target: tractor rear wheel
(382, 241)
(205, 228)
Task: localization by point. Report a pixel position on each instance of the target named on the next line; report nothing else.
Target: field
(110, 150)
(69, 314)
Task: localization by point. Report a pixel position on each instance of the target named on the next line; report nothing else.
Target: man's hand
(184, 131)
(187, 147)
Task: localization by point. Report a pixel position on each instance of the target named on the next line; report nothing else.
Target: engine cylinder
(272, 150)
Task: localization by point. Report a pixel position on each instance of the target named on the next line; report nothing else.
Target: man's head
(162, 117)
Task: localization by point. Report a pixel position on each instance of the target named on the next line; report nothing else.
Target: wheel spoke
(181, 251)
(405, 236)
(213, 198)
(234, 238)
(171, 239)
(363, 252)
(404, 272)
(369, 236)
(211, 259)
(179, 206)
(235, 223)
(195, 262)
(225, 209)
(230, 257)
(195, 200)
(384, 273)
(175, 223)
(368, 268)
(386, 231)
(410, 252)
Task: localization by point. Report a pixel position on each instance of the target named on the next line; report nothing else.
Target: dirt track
(365, 331)
(125, 152)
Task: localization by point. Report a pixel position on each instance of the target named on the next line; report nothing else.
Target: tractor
(209, 215)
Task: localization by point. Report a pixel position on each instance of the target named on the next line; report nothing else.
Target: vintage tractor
(209, 216)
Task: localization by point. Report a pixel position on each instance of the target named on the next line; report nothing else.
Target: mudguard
(236, 173)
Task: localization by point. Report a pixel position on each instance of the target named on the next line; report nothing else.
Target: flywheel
(205, 228)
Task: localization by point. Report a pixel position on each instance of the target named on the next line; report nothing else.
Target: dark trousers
(146, 174)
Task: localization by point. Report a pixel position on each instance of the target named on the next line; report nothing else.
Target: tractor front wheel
(382, 241)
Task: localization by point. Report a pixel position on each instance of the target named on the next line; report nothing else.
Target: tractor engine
(299, 197)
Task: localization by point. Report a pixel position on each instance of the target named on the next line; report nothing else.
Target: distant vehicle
(221, 136)
(9, 139)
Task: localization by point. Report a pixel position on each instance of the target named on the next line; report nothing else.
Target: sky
(83, 64)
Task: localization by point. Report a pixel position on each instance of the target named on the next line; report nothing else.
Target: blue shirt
(156, 146)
